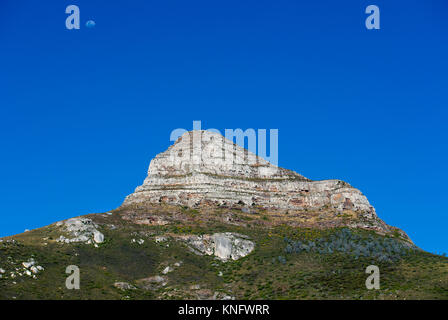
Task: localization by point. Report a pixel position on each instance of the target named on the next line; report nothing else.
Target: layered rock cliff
(203, 168)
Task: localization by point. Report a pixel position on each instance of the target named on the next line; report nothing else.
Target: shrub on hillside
(347, 242)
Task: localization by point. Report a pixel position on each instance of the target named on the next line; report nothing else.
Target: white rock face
(98, 237)
(224, 246)
(82, 230)
(231, 246)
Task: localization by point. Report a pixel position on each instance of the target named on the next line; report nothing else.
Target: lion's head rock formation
(203, 168)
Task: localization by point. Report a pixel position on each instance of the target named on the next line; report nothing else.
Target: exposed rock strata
(203, 168)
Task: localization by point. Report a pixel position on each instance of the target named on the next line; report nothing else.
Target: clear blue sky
(84, 111)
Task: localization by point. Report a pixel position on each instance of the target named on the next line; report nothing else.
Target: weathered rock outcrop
(203, 168)
(81, 230)
(124, 286)
(224, 246)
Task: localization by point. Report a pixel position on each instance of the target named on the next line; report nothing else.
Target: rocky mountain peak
(203, 168)
(206, 152)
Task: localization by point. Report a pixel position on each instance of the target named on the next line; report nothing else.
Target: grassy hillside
(287, 263)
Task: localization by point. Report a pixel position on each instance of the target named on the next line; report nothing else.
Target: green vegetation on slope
(276, 269)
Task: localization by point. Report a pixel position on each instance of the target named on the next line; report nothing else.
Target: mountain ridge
(196, 171)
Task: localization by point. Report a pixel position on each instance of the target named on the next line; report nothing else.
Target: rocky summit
(214, 221)
(203, 168)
